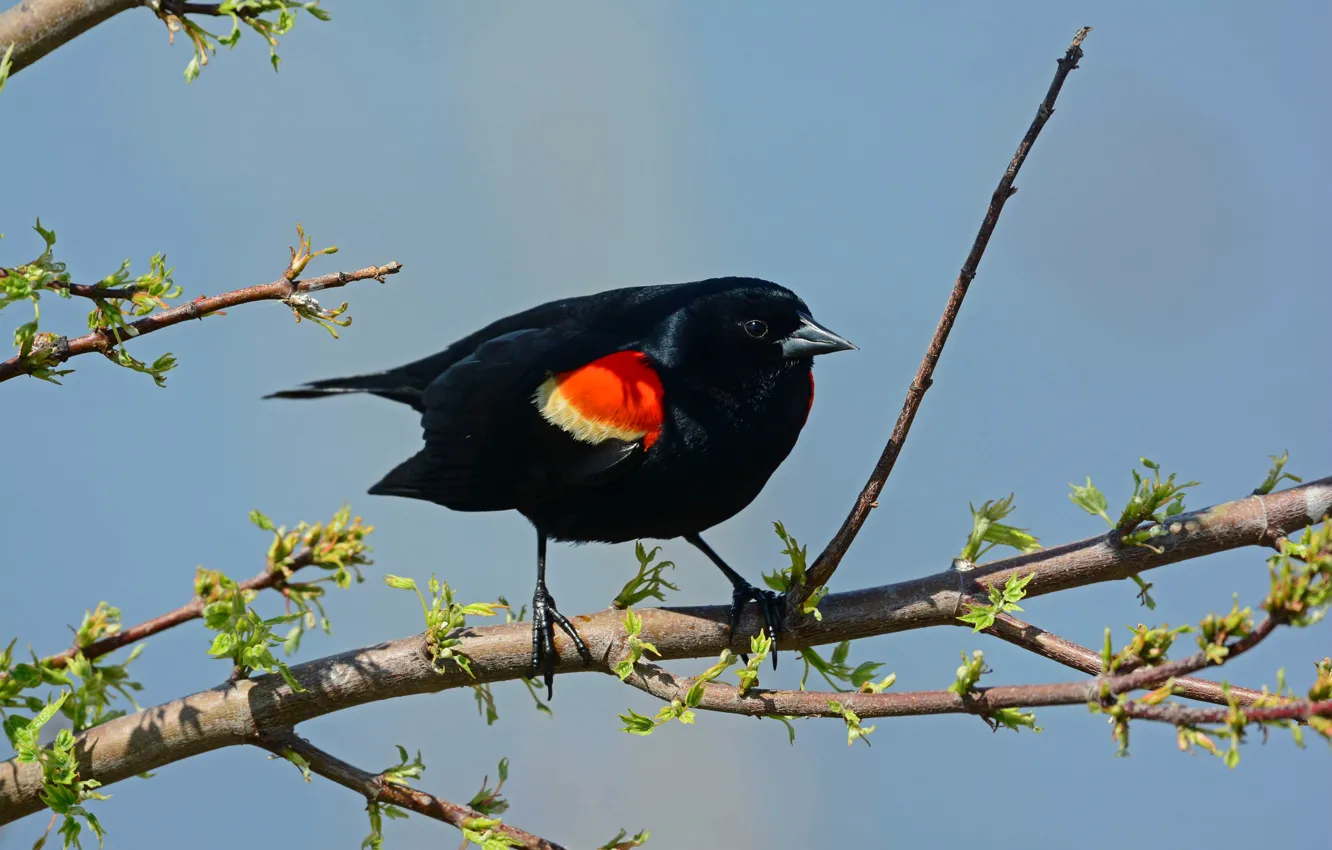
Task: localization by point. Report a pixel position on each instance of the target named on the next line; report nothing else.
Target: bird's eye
(756, 328)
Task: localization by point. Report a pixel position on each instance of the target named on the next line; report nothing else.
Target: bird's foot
(545, 617)
(771, 607)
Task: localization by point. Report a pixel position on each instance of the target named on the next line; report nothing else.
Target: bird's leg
(545, 617)
(769, 603)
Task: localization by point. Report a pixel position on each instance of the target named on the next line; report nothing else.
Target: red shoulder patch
(618, 396)
(811, 395)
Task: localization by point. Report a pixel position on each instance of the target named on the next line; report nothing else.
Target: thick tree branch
(236, 712)
(374, 788)
(1070, 654)
(822, 570)
(36, 27)
(282, 289)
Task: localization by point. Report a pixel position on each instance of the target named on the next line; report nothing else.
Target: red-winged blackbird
(645, 412)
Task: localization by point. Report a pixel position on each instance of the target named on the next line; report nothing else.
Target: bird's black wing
(487, 445)
(408, 383)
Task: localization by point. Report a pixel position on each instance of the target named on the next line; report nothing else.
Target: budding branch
(105, 339)
(242, 712)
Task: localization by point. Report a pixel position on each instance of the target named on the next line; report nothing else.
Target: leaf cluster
(62, 789)
(337, 547)
(1153, 500)
(682, 710)
(964, 683)
(1148, 647)
(793, 575)
(648, 582)
(987, 531)
(1301, 578)
(444, 618)
(634, 645)
(401, 773)
(116, 298)
(242, 635)
(270, 19)
(1002, 600)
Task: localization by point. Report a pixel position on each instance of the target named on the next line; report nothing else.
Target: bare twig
(1066, 652)
(374, 788)
(282, 289)
(826, 564)
(232, 713)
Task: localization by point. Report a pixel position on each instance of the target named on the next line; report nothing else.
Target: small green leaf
(1091, 500)
(223, 644)
(262, 521)
(301, 762)
(1002, 600)
(637, 724)
(969, 673)
(785, 720)
(5, 64)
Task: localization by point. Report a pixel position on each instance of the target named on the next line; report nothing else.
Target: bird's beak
(812, 338)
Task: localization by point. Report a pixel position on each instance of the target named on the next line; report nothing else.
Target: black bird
(644, 412)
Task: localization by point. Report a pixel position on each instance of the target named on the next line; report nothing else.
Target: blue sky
(1155, 288)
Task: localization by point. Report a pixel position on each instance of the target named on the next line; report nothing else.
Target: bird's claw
(545, 617)
(771, 607)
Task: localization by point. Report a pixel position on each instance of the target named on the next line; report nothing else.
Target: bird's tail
(393, 385)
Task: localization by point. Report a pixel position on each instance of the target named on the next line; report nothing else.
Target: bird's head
(743, 324)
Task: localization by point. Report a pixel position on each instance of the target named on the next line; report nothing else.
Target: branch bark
(282, 289)
(1181, 715)
(373, 787)
(36, 27)
(826, 564)
(239, 712)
